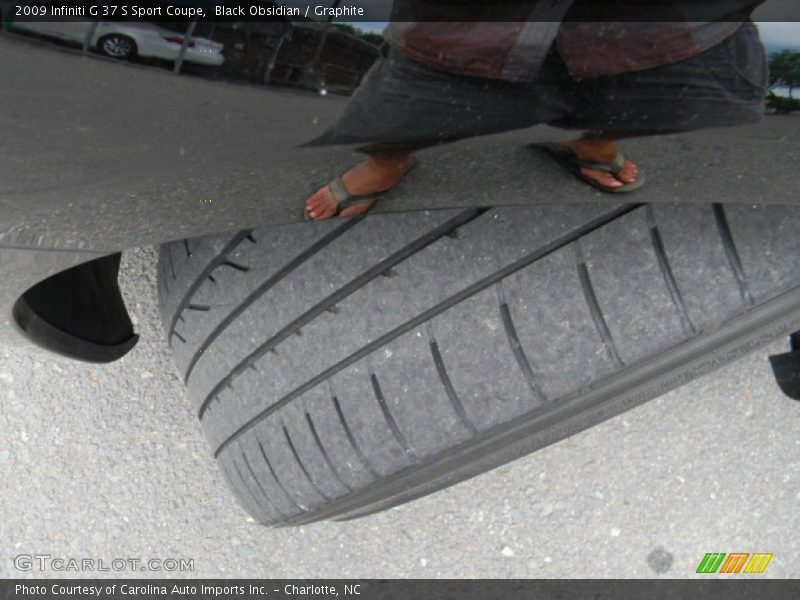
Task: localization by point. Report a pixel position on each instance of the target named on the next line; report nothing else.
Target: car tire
(116, 45)
(343, 367)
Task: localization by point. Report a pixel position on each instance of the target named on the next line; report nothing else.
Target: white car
(129, 39)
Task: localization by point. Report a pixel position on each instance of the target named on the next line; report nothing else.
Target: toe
(317, 199)
(328, 211)
(628, 173)
(603, 178)
(321, 205)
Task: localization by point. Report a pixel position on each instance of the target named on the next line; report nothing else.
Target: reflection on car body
(496, 303)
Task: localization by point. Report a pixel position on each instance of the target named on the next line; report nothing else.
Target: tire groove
(257, 293)
(324, 452)
(236, 266)
(452, 396)
(277, 480)
(258, 484)
(729, 246)
(667, 273)
(250, 493)
(340, 294)
(171, 263)
(594, 307)
(387, 414)
(351, 438)
(516, 348)
(228, 476)
(213, 264)
(162, 276)
(467, 292)
(302, 466)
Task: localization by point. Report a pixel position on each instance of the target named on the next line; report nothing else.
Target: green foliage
(781, 104)
(373, 38)
(784, 70)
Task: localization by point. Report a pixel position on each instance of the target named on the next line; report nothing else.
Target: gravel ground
(108, 462)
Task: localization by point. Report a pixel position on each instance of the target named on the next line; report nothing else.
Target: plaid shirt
(515, 37)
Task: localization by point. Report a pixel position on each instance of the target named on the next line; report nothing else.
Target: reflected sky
(777, 36)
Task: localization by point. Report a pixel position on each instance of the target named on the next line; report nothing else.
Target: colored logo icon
(734, 563)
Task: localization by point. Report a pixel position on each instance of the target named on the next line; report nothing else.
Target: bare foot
(603, 151)
(379, 173)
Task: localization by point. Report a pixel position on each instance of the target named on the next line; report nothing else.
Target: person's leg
(403, 106)
(595, 144)
(723, 86)
(379, 173)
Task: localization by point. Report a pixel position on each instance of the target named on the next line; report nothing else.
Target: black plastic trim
(79, 313)
(786, 368)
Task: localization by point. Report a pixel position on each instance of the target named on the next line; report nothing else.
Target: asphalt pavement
(108, 462)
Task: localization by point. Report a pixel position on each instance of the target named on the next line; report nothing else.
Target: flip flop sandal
(567, 157)
(344, 198)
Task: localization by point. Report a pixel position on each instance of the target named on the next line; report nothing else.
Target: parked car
(128, 39)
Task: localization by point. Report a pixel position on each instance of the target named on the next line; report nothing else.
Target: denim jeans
(405, 105)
